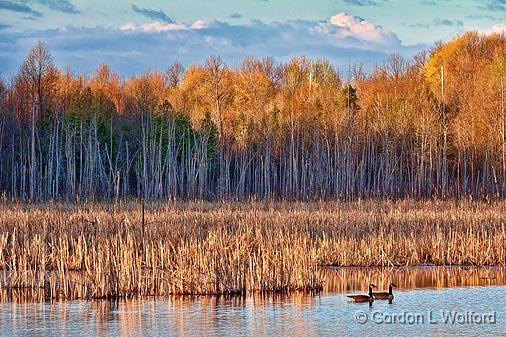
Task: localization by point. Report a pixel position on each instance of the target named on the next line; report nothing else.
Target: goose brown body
(364, 298)
(383, 295)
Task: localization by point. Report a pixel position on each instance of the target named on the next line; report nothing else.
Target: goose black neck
(370, 291)
(390, 289)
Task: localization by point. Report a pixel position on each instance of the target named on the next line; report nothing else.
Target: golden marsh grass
(97, 251)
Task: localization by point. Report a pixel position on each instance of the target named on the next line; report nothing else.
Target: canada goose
(386, 295)
(364, 298)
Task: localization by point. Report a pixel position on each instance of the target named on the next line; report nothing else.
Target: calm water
(425, 299)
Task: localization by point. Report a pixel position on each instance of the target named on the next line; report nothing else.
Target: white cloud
(156, 27)
(348, 30)
(341, 30)
(499, 28)
(199, 24)
(347, 26)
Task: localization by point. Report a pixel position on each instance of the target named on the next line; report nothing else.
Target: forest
(430, 127)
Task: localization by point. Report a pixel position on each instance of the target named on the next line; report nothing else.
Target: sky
(134, 36)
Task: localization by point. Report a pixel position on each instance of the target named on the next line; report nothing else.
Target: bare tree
(40, 75)
(38, 70)
(174, 74)
(219, 96)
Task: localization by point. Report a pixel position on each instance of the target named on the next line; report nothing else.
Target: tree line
(430, 127)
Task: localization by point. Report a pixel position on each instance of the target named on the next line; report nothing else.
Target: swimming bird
(383, 295)
(364, 298)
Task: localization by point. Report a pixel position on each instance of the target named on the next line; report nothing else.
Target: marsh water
(429, 301)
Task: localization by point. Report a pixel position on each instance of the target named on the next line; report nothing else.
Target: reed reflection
(350, 278)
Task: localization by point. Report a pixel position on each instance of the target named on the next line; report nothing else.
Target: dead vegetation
(98, 251)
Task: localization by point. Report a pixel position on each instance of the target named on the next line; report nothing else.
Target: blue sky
(135, 36)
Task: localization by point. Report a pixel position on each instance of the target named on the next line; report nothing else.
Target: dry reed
(96, 251)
